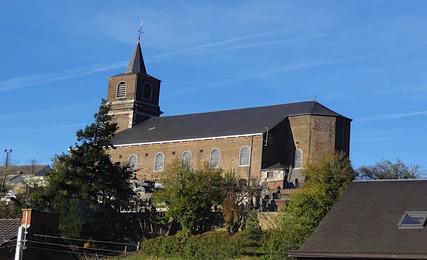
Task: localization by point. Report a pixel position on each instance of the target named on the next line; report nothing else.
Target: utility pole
(6, 165)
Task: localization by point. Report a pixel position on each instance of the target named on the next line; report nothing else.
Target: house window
(298, 158)
(215, 158)
(244, 156)
(159, 161)
(121, 90)
(269, 175)
(413, 219)
(133, 162)
(186, 159)
(147, 91)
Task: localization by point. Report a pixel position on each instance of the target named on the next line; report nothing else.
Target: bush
(214, 247)
(252, 229)
(210, 245)
(161, 246)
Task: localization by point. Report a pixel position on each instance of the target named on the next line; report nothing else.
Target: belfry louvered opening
(121, 90)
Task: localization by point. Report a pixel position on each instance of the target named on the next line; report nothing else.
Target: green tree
(85, 186)
(324, 184)
(237, 202)
(191, 196)
(388, 170)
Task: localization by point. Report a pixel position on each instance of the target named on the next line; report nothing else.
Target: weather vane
(140, 31)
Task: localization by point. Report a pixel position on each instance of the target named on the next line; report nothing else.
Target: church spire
(136, 64)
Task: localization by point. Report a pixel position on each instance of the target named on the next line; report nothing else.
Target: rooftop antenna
(315, 97)
(140, 30)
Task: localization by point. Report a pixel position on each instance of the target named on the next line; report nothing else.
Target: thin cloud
(30, 80)
(218, 43)
(25, 81)
(266, 43)
(385, 117)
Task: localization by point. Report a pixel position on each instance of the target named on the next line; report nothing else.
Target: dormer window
(147, 91)
(121, 90)
(413, 219)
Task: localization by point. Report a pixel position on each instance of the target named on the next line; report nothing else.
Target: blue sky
(364, 59)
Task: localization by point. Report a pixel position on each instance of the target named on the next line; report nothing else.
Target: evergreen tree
(85, 186)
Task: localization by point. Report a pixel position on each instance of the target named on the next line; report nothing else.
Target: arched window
(147, 91)
(133, 162)
(244, 156)
(121, 90)
(186, 160)
(298, 155)
(159, 162)
(215, 158)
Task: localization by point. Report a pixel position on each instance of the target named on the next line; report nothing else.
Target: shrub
(212, 247)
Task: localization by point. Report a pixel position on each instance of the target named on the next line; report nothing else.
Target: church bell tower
(133, 95)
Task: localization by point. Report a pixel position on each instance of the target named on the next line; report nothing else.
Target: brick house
(248, 141)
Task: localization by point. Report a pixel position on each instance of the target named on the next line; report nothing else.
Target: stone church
(269, 144)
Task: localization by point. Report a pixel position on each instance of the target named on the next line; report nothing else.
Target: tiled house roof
(364, 223)
(8, 229)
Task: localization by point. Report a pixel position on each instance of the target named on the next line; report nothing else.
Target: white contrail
(213, 44)
(384, 117)
(25, 81)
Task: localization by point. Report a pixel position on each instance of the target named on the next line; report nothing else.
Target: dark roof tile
(364, 221)
(8, 229)
(216, 124)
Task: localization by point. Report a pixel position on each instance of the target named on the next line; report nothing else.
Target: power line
(64, 251)
(78, 247)
(86, 240)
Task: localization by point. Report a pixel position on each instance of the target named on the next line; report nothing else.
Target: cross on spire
(140, 31)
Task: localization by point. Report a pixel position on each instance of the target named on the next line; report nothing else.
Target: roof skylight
(413, 219)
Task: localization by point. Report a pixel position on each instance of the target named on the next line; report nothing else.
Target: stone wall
(200, 149)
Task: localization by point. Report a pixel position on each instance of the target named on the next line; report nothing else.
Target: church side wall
(342, 141)
(200, 149)
(279, 146)
(323, 134)
(300, 128)
(314, 135)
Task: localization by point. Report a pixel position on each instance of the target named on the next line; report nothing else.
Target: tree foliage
(237, 202)
(191, 196)
(324, 184)
(85, 186)
(388, 170)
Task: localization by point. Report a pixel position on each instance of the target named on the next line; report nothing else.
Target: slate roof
(216, 124)
(13, 172)
(136, 64)
(363, 223)
(8, 229)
